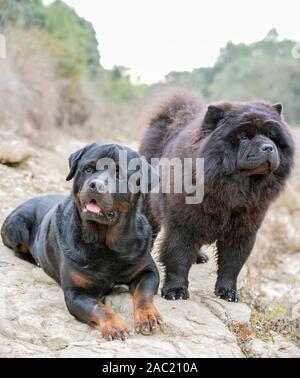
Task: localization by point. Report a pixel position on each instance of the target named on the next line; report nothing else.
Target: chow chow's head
(108, 180)
(248, 139)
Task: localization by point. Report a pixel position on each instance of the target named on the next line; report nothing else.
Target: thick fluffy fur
(248, 152)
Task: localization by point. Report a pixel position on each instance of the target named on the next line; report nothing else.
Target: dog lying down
(93, 239)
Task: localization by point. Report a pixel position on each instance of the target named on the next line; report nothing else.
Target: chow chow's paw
(228, 294)
(173, 293)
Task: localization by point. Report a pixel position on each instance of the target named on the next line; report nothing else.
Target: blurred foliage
(21, 13)
(116, 85)
(71, 44)
(73, 41)
(261, 70)
(69, 39)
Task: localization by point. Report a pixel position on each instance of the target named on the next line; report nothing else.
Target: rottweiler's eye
(89, 169)
(119, 175)
(117, 172)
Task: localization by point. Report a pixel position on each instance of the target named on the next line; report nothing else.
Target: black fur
(248, 155)
(86, 253)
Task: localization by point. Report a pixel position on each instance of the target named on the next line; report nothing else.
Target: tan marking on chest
(137, 272)
(23, 248)
(112, 237)
(82, 280)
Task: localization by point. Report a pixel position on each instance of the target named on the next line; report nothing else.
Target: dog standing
(248, 154)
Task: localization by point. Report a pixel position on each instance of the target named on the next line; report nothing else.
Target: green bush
(262, 70)
(72, 40)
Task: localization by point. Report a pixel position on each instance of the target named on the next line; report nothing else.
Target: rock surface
(279, 347)
(14, 151)
(35, 321)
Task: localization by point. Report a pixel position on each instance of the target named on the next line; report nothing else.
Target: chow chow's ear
(278, 108)
(213, 115)
(74, 160)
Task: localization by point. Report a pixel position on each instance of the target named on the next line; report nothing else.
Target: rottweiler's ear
(73, 163)
(213, 115)
(74, 160)
(278, 108)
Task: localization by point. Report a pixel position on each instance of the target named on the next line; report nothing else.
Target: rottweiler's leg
(15, 235)
(232, 255)
(177, 253)
(146, 316)
(90, 310)
(22, 251)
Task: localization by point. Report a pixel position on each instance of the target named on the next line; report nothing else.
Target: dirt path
(34, 321)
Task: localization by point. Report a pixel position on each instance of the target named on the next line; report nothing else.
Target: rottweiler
(93, 239)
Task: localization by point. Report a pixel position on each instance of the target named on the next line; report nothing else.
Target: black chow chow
(248, 155)
(90, 241)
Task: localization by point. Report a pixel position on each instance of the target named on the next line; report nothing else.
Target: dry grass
(34, 99)
(29, 93)
(278, 240)
(279, 233)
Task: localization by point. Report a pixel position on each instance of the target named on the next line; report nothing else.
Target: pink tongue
(93, 207)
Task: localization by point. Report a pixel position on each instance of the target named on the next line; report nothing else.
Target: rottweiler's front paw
(173, 293)
(115, 329)
(229, 295)
(147, 319)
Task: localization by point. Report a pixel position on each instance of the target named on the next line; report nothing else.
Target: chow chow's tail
(165, 115)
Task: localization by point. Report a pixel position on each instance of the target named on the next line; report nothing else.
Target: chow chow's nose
(98, 186)
(266, 147)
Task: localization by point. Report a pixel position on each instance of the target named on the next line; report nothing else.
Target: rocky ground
(34, 321)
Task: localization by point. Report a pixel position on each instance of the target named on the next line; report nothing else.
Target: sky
(154, 37)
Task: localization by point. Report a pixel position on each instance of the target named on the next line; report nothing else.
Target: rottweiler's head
(108, 180)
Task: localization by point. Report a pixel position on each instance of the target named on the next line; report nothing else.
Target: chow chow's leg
(177, 254)
(232, 255)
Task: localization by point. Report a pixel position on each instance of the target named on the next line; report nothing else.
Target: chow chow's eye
(244, 137)
(272, 136)
(89, 169)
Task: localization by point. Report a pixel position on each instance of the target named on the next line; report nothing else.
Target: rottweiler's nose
(266, 147)
(98, 186)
